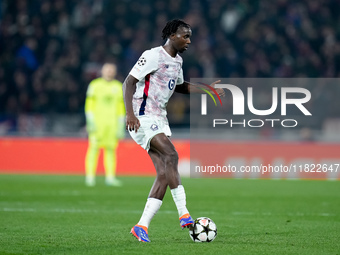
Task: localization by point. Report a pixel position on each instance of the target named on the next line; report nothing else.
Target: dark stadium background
(51, 50)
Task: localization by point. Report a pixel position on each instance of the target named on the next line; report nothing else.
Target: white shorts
(149, 127)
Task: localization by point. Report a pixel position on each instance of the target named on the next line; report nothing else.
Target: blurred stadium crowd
(51, 49)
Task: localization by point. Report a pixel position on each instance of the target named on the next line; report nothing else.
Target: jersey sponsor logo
(141, 61)
(154, 127)
(171, 84)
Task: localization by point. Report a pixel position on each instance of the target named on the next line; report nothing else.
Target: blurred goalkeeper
(105, 112)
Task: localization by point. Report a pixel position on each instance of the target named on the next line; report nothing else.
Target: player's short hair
(172, 26)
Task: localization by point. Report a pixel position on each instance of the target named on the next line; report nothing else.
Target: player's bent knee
(161, 174)
(171, 157)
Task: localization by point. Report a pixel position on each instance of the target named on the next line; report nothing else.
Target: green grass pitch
(41, 214)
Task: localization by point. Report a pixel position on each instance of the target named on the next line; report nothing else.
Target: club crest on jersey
(154, 127)
(141, 61)
(171, 84)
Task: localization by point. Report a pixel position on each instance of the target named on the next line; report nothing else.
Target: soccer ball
(203, 230)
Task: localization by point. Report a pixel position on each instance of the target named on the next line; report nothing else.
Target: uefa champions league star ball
(203, 230)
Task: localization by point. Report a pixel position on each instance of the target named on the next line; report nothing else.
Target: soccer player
(147, 89)
(105, 113)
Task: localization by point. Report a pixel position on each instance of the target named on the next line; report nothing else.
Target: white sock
(151, 208)
(178, 194)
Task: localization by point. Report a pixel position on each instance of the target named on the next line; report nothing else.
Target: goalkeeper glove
(90, 126)
(121, 128)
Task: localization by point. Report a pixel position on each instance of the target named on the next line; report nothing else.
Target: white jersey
(157, 73)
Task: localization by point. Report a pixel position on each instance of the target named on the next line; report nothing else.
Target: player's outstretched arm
(129, 88)
(188, 88)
